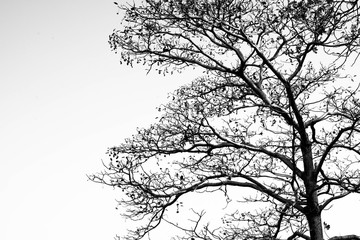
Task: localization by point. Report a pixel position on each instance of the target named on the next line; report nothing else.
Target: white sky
(64, 99)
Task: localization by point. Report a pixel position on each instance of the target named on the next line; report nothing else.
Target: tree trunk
(315, 226)
(313, 212)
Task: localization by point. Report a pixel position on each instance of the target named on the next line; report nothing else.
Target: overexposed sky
(64, 99)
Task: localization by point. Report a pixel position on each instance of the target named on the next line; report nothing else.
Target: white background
(64, 99)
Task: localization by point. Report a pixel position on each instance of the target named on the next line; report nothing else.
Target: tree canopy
(275, 112)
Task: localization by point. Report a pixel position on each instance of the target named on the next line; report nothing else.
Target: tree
(274, 112)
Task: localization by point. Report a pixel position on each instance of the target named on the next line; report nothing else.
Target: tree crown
(274, 112)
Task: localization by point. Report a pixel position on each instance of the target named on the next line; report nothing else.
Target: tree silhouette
(273, 113)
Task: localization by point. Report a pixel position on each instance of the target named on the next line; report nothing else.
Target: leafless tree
(274, 112)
